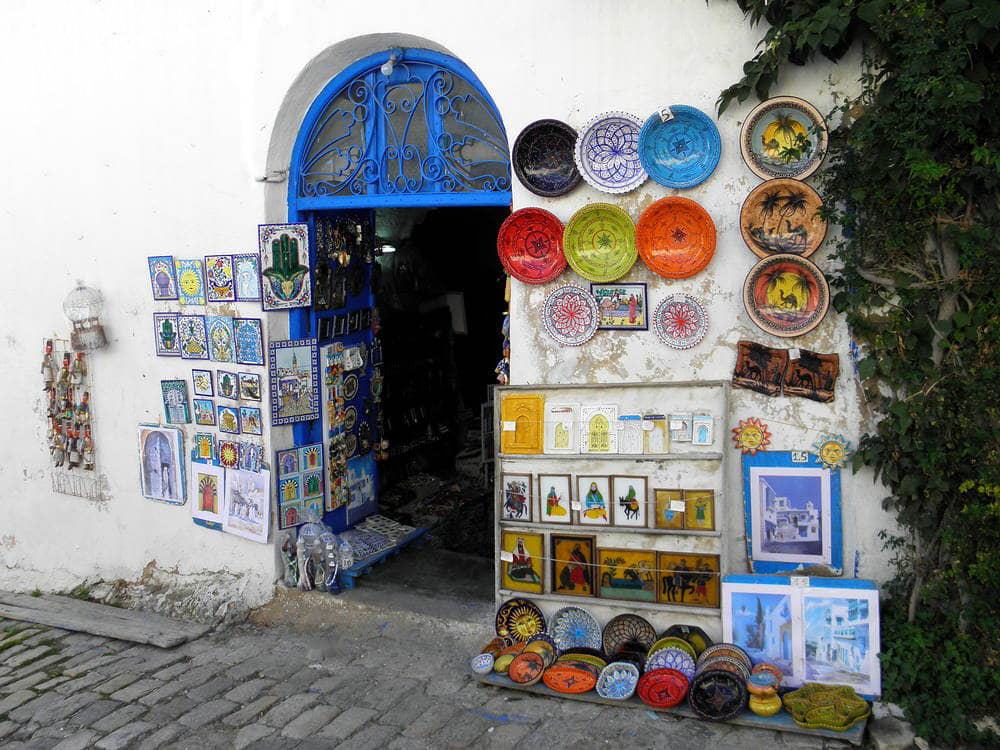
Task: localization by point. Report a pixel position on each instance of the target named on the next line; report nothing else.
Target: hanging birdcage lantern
(83, 306)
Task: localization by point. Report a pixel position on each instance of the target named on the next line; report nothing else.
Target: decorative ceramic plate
(350, 417)
(662, 688)
(618, 681)
(694, 635)
(672, 658)
(627, 629)
(482, 663)
(585, 651)
(543, 158)
(502, 663)
(568, 677)
(599, 242)
(494, 647)
(672, 641)
(570, 315)
(784, 137)
(526, 669)
(782, 216)
(520, 619)
(607, 153)
(529, 244)
(679, 146)
(726, 664)
(680, 321)
(573, 627)
(726, 649)
(717, 695)
(545, 649)
(675, 237)
(786, 295)
(350, 387)
(597, 662)
(835, 707)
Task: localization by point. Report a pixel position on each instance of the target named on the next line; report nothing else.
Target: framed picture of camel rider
(629, 496)
(688, 579)
(573, 569)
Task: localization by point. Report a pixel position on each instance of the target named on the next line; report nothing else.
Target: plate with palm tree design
(786, 295)
(599, 242)
(784, 137)
(783, 216)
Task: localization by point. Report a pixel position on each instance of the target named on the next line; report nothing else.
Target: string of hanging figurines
(70, 439)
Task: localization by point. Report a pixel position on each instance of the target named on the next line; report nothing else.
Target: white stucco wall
(138, 129)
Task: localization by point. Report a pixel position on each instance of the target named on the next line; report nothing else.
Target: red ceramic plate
(526, 669)
(530, 246)
(675, 237)
(786, 295)
(662, 688)
(566, 677)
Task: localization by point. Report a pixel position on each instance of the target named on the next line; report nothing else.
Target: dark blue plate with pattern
(680, 146)
(543, 158)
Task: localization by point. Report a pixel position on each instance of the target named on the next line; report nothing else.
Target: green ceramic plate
(599, 242)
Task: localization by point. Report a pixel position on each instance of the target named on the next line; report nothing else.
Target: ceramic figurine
(48, 367)
(88, 449)
(52, 409)
(290, 561)
(79, 370)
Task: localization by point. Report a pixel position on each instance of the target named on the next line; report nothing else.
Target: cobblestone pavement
(368, 681)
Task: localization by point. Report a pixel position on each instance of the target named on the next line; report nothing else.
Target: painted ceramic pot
(672, 641)
(482, 663)
(783, 217)
(519, 619)
(570, 315)
(675, 237)
(694, 635)
(726, 649)
(627, 630)
(786, 295)
(834, 707)
(543, 158)
(607, 153)
(526, 669)
(784, 137)
(762, 683)
(529, 245)
(599, 242)
(679, 146)
(502, 663)
(573, 627)
(765, 705)
(570, 678)
(770, 669)
(672, 658)
(618, 681)
(662, 688)
(717, 695)
(680, 321)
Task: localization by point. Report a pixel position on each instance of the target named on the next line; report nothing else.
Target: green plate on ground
(599, 242)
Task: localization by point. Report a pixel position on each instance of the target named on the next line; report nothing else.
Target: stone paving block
(119, 718)
(431, 720)
(348, 723)
(38, 665)
(174, 670)
(14, 700)
(289, 708)
(250, 734)
(406, 712)
(32, 654)
(461, 731)
(7, 727)
(207, 713)
(66, 706)
(116, 683)
(50, 684)
(248, 668)
(162, 736)
(26, 682)
(506, 735)
(248, 690)
(310, 722)
(162, 693)
(136, 690)
(125, 736)
(93, 712)
(215, 688)
(408, 743)
(86, 662)
(296, 683)
(82, 682)
(171, 710)
(384, 695)
(239, 655)
(152, 660)
(375, 737)
(251, 712)
(77, 741)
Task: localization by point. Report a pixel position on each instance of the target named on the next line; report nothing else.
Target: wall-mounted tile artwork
(249, 341)
(300, 484)
(166, 334)
(163, 277)
(176, 406)
(246, 275)
(193, 336)
(221, 347)
(284, 263)
(219, 283)
(294, 376)
(190, 281)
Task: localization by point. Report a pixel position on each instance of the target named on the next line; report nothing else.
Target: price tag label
(800, 457)
(800, 582)
(676, 424)
(506, 556)
(793, 354)
(576, 505)
(665, 114)
(678, 505)
(648, 425)
(510, 427)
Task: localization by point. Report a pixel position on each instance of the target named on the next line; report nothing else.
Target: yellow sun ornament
(832, 449)
(751, 436)
(190, 282)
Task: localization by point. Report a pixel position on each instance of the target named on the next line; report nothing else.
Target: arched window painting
(599, 432)
(597, 435)
(208, 493)
(160, 471)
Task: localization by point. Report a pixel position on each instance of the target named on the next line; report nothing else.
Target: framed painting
(521, 417)
(251, 456)
(193, 337)
(702, 429)
(593, 500)
(598, 433)
(630, 439)
(555, 498)
(251, 422)
(284, 262)
(247, 508)
(219, 283)
(161, 463)
(204, 446)
(699, 510)
(792, 512)
(631, 504)
(627, 574)
(655, 434)
(162, 276)
(229, 419)
(190, 281)
(294, 381)
(572, 564)
(249, 386)
(515, 497)
(176, 406)
(221, 347)
(688, 579)
(669, 509)
(207, 492)
(204, 412)
(226, 385)
(680, 427)
(521, 555)
(249, 341)
(165, 334)
(246, 277)
(621, 307)
(202, 383)
(561, 428)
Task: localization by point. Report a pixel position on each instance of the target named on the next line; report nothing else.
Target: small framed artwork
(688, 579)
(204, 412)
(166, 335)
(250, 420)
(249, 341)
(680, 427)
(521, 554)
(229, 419)
(248, 504)
(204, 444)
(294, 381)
(176, 407)
(702, 429)
(561, 428)
(627, 574)
(249, 386)
(202, 383)
(190, 281)
(669, 508)
(599, 432)
(161, 463)
(622, 307)
(226, 384)
(630, 496)
(246, 277)
(699, 511)
(522, 417)
(630, 434)
(515, 496)
(193, 338)
(229, 454)
(207, 492)
(287, 462)
(163, 276)
(221, 347)
(555, 498)
(251, 456)
(593, 504)
(219, 283)
(573, 564)
(284, 261)
(655, 434)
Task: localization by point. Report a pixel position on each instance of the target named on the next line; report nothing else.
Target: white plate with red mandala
(680, 321)
(570, 315)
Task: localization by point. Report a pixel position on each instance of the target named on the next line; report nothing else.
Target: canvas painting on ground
(294, 381)
(555, 498)
(207, 492)
(247, 509)
(161, 463)
(762, 626)
(841, 639)
(284, 263)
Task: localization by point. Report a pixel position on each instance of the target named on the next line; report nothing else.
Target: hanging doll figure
(64, 378)
(48, 367)
(53, 409)
(73, 447)
(79, 370)
(83, 408)
(57, 447)
(88, 449)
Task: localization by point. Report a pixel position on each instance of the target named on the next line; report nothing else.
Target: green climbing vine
(913, 178)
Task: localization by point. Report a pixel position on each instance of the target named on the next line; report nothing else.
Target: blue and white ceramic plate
(573, 627)
(482, 663)
(679, 147)
(617, 681)
(607, 153)
(672, 658)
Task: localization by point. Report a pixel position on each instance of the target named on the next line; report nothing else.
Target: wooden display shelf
(638, 457)
(349, 578)
(624, 604)
(578, 529)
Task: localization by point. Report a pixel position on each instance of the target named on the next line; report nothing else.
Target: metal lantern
(83, 306)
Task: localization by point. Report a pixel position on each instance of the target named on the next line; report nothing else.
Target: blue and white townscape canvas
(762, 626)
(161, 464)
(840, 629)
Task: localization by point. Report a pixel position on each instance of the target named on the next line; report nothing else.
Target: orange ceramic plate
(566, 677)
(675, 237)
(526, 669)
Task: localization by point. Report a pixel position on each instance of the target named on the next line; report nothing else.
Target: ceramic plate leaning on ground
(607, 153)
(680, 321)
(783, 216)
(786, 295)
(519, 619)
(679, 146)
(599, 242)
(543, 158)
(570, 315)
(675, 237)
(573, 627)
(784, 137)
(627, 629)
(529, 244)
